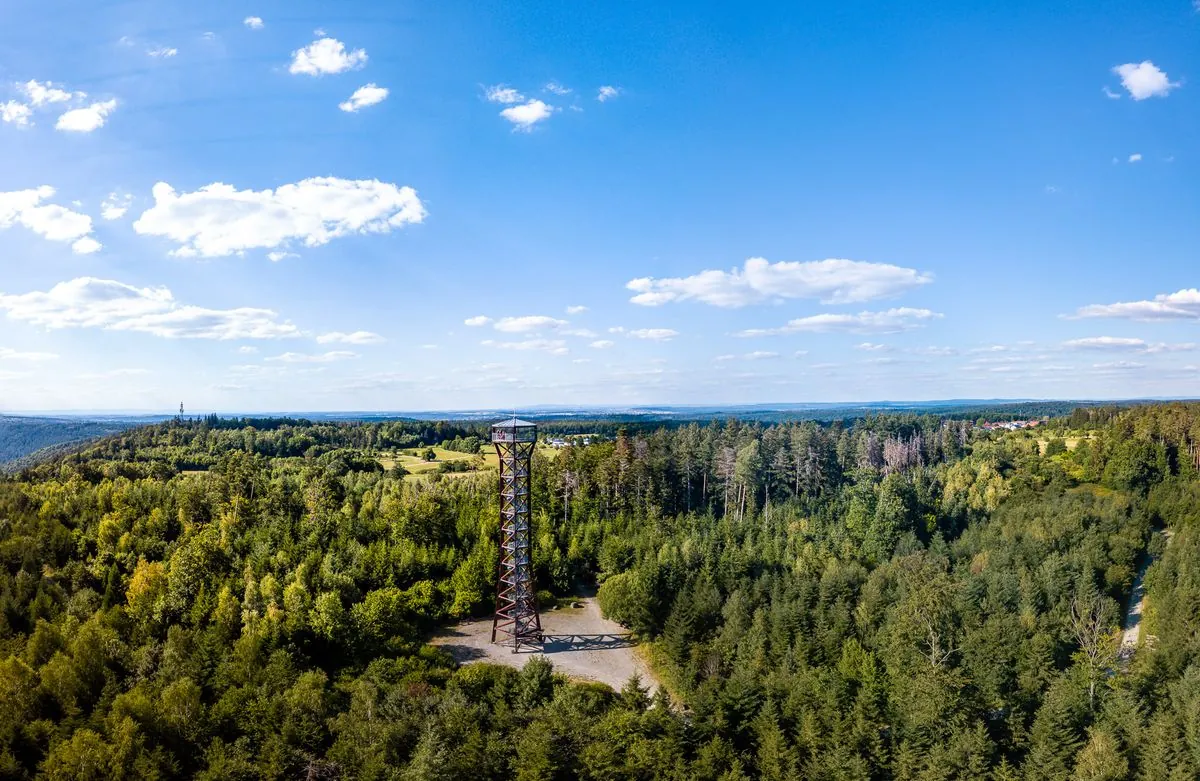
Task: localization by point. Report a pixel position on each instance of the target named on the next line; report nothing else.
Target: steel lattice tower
(516, 600)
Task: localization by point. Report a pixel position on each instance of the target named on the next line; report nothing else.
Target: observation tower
(516, 621)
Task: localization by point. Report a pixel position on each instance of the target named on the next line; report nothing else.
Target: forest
(899, 596)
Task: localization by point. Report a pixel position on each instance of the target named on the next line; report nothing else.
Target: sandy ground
(579, 641)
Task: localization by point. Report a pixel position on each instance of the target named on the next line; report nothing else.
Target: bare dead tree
(1093, 630)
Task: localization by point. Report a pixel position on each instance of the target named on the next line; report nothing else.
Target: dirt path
(1133, 615)
(579, 641)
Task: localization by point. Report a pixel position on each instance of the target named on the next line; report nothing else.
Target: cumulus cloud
(602, 344)
(886, 322)
(1181, 305)
(355, 337)
(366, 95)
(607, 92)
(326, 55)
(1135, 158)
(219, 220)
(15, 113)
(253, 22)
(329, 357)
(526, 115)
(576, 310)
(87, 302)
(552, 346)
(527, 323)
(477, 321)
(1144, 80)
(162, 51)
(42, 93)
(279, 255)
(502, 93)
(115, 205)
(833, 281)
(557, 88)
(87, 119)
(48, 220)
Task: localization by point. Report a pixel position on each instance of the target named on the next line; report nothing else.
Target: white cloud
(15, 113)
(1118, 365)
(1117, 343)
(163, 51)
(87, 302)
(219, 220)
(247, 349)
(50, 221)
(253, 22)
(9, 354)
(557, 88)
(760, 355)
(1144, 80)
(85, 120)
(886, 322)
(576, 310)
(652, 334)
(326, 55)
(86, 246)
(526, 115)
(872, 347)
(1110, 94)
(1105, 343)
(356, 337)
(279, 255)
(329, 357)
(41, 93)
(1181, 305)
(607, 92)
(602, 344)
(115, 206)
(500, 93)
(1135, 158)
(833, 281)
(366, 95)
(552, 346)
(477, 321)
(527, 323)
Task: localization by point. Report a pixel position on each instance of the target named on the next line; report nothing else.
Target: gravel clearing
(579, 641)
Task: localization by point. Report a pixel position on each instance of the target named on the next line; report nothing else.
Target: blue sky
(353, 206)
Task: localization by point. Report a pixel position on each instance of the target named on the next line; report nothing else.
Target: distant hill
(20, 437)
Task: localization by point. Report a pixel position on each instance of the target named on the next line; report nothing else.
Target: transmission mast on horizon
(516, 618)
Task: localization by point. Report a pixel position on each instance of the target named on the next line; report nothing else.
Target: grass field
(417, 467)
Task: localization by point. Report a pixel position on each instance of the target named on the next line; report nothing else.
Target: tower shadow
(553, 644)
